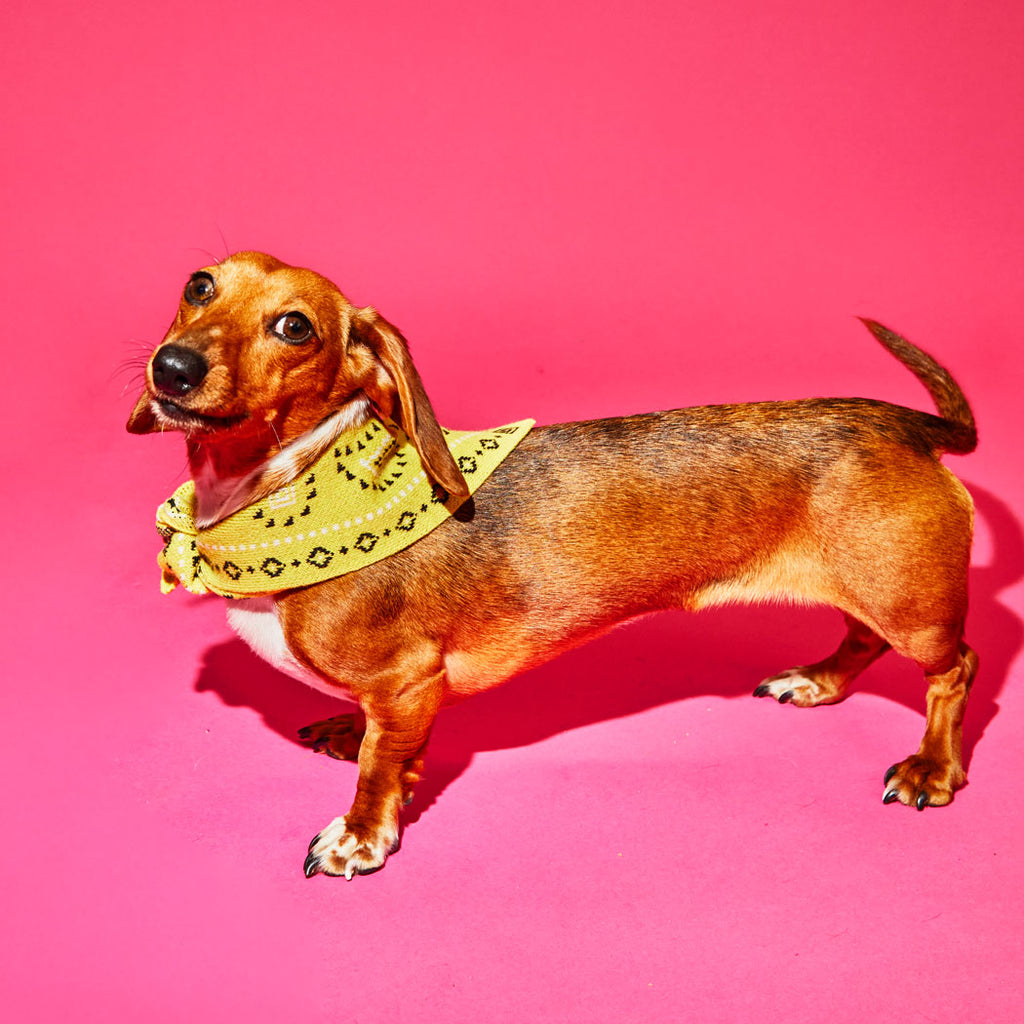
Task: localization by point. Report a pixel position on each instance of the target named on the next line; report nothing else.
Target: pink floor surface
(572, 210)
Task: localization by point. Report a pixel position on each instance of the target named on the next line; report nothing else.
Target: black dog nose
(177, 370)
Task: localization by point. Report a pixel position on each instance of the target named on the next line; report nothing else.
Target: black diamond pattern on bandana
(320, 557)
(367, 542)
(272, 567)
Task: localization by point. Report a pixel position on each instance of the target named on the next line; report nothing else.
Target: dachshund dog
(584, 525)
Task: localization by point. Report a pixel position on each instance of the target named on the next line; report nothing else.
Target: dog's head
(262, 349)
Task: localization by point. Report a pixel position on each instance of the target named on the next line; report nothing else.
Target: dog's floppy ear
(142, 419)
(412, 410)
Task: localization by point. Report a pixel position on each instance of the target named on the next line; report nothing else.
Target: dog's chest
(257, 622)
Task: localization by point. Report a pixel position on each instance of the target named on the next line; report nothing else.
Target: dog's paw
(338, 737)
(922, 782)
(337, 850)
(797, 686)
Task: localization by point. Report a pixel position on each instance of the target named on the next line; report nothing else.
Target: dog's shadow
(652, 662)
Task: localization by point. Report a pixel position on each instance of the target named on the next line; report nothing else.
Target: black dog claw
(890, 773)
(761, 691)
(890, 796)
(922, 801)
(305, 732)
(786, 697)
(314, 840)
(311, 865)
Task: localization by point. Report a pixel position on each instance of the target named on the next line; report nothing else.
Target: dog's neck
(229, 479)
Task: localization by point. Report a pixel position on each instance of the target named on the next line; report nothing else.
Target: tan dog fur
(835, 501)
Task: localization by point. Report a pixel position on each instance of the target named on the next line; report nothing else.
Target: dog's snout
(177, 370)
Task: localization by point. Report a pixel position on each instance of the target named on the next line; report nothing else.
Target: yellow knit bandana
(365, 499)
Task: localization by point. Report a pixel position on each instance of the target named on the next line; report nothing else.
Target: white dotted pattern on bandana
(298, 537)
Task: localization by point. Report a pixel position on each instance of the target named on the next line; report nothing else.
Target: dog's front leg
(390, 763)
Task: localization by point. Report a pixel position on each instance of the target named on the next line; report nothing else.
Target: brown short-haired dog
(836, 501)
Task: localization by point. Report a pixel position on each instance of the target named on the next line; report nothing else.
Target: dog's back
(588, 524)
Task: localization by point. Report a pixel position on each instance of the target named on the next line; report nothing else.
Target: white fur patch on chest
(256, 621)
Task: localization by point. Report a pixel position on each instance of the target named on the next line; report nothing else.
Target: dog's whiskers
(280, 446)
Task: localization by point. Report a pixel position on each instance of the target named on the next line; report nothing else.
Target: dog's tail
(959, 435)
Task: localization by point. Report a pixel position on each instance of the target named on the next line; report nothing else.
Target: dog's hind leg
(827, 681)
(931, 776)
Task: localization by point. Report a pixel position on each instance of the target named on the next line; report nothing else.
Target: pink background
(572, 210)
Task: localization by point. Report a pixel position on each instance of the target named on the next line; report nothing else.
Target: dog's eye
(293, 328)
(199, 289)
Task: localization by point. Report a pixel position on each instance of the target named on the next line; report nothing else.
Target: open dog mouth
(189, 419)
